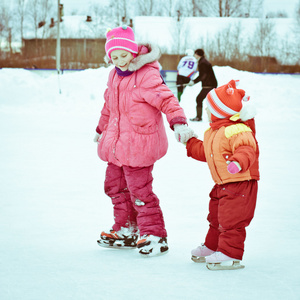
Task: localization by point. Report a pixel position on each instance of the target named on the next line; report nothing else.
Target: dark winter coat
(206, 74)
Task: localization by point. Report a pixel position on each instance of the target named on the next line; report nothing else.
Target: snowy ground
(53, 206)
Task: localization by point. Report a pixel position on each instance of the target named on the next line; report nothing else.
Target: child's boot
(125, 238)
(220, 261)
(199, 254)
(150, 245)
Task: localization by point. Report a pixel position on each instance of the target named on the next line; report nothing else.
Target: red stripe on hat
(215, 107)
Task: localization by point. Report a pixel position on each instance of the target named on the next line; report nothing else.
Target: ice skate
(150, 245)
(220, 261)
(199, 253)
(125, 238)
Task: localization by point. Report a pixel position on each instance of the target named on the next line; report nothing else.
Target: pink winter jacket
(131, 123)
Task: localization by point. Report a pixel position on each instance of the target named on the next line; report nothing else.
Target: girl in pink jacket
(131, 137)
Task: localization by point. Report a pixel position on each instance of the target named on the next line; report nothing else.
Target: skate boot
(199, 254)
(151, 245)
(125, 238)
(220, 261)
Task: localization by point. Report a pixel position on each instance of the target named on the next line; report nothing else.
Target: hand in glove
(97, 137)
(183, 133)
(191, 83)
(233, 167)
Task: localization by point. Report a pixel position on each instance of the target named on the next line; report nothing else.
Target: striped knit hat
(225, 101)
(120, 38)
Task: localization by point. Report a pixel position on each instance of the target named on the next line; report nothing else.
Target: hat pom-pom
(230, 90)
(246, 98)
(248, 110)
(124, 27)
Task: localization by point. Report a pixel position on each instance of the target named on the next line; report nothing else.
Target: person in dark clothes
(208, 79)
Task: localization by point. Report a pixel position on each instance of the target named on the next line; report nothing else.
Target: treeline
(224, 49)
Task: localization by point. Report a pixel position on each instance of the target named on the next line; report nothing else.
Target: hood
(147, 54)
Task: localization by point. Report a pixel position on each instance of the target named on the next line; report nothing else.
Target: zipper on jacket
(118, 120)
(219, 181)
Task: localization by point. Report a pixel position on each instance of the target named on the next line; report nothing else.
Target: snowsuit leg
(232, 207)
(212, 236)
(181, 80)
(150, 217)
(201, 96)
(115, 187)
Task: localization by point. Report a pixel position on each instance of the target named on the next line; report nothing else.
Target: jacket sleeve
(244, 150)
(103, 121)
(158, 95)
(202, 68)
(195, 149)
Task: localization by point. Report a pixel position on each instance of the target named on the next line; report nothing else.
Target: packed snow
(53, 205)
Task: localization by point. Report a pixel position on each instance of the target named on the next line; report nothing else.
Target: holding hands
(183, 133)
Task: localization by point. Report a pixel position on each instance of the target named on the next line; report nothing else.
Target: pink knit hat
(120, 38)
(225, 101)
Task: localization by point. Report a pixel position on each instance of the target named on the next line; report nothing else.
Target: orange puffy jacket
(228, 141)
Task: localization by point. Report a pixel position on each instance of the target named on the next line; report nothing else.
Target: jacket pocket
(145, 129)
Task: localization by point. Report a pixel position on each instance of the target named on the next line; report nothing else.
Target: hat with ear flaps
(227, 101)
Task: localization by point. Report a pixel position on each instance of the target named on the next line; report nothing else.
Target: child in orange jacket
(231, 151)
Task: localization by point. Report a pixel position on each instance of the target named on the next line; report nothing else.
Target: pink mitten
(233, 167)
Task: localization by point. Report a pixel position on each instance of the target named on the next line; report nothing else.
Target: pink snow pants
(231, 209)
(134, 203)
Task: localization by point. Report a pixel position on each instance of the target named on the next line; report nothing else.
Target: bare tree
(196, 8)
(264, 38)
(297, 30)
(5, 31)
(98, 13)
(145, 7)
(253, 8)
(223, 8)
(33, 13)
(118, 11)
(21, 16)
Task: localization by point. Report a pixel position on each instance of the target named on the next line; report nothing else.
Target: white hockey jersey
(187, 66)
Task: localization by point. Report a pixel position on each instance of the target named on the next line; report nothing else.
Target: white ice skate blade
(198, 259)
(226, 265)
(104, 245)
(146, 255)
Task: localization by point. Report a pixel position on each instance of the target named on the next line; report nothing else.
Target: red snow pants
(231, 209)
(134, 203)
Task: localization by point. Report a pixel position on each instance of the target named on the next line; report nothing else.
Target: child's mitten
(97, 137)
(183, 133)
(233, 167)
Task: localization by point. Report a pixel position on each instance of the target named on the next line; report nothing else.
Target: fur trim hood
(147, 54)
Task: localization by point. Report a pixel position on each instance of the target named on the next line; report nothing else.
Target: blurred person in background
(208, 79)
(185, 70)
